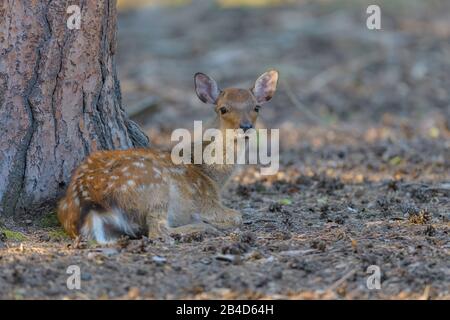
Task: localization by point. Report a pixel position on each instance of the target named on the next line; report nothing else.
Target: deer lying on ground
(142, 192)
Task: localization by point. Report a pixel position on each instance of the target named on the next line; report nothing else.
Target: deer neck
(219, 173)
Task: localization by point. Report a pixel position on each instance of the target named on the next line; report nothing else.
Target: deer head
(236, 108)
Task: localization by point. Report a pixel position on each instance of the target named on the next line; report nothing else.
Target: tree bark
(59, 97)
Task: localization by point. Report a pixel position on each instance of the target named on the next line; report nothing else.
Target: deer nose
(246, 126)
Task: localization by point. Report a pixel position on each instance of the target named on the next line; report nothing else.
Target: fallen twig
(336, 285)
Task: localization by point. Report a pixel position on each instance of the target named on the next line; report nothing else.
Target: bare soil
(364, 176)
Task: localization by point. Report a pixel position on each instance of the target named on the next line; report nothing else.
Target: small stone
(430, 231)
(141, 272)
(85, 276)
(92, 255)
(296, 253)
(159, 260)
(109, 251)
(275, 207)
(134, 293)
(319, 245)
(277, 274)
(235, 248)
(254, 255)
(247, 237)
(339, 220)
(52, 291)
(44, 238)
(235, 259)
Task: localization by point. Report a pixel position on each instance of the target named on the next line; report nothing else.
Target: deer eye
(257, 108)
(223, 110)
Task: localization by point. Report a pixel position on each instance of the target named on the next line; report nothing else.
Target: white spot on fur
(85, 194)
(131, 183)
(124, 169)
(138, 164)
(114, 178)
(76, 201)
(177, 170)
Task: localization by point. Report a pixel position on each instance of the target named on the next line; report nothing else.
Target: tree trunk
(59, 97)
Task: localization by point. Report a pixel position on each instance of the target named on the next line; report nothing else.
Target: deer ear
(265, 86)
(206, 88)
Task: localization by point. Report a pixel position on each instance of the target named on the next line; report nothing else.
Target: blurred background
(364, 179)
(340, 82)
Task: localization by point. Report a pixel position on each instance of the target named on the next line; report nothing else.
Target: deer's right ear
(206, 88)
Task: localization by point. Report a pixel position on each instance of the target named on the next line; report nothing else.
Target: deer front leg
(193, 228)
(157, 226)
(223, 217)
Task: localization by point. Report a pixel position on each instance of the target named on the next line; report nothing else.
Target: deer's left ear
(265, 86)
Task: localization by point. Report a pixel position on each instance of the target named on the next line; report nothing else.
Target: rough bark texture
(59, 97)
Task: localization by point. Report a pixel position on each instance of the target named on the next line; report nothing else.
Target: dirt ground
(364, 179)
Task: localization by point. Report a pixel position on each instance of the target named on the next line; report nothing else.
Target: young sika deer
(141, 192)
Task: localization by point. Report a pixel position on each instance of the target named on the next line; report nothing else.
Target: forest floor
(364, 173)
